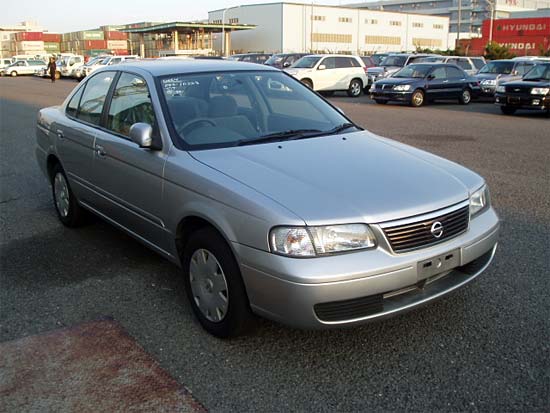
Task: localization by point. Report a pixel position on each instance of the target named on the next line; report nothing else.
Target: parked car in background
(378, 57)
(5, 62)
(330, 73)
(67, 63)
(79, 72)
(369, 61)
(259, 58)
(282, 60)
(108, 61)
(269, 199)
(23, 67)
(470, 65)
(502, 71)
(531, 92)
(392, 63)
(420, 82)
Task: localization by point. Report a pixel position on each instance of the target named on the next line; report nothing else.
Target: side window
(329, 62)
(454, 73)
(72, 107)
(464, 64)
(93, 98)
(130, 104)
(523, 68)
(439, 73)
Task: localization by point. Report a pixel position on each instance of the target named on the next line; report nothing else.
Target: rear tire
(465, 97)
(507, 110)
(308, 83)
(214, 285)
(69, 212)
(417, 98)
(355, 88)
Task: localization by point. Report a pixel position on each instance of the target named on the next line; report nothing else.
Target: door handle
(445, 81)
(100, 151)
(59, 134)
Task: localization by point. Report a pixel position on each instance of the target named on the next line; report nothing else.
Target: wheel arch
(51, 162)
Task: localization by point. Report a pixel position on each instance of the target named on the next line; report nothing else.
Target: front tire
(417, 98)
(13, 74)
(355, 88)
(214, 285)
(507, 110)
(66, 205)
(465, 97)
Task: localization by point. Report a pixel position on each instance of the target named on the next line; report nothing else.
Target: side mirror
(515, 72)
(286, 64)
(431, 76)
(321, 67)
(142, 134)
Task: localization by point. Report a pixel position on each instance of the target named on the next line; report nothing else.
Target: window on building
(429, 43)
(331, 38)
(345, 19)
(395, 23)
(389, 40)
(438, 26)
(318, 18)
(217, 21)
(234, 20)
(371, 21)
(418, 25)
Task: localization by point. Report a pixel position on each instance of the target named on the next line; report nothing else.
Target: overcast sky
(70, 15)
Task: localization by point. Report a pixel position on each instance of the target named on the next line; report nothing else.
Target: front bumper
(359, 287)
(531, 102)
(380, 94)
(487, 90)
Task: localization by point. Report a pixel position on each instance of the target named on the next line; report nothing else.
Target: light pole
(223, 32)
(492, 11)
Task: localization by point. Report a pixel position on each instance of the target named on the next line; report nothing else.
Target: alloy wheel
(61, 193)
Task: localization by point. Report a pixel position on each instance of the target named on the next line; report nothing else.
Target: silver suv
(269, 199)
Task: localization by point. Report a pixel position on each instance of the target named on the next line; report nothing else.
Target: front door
(438, 84)
(128, 177)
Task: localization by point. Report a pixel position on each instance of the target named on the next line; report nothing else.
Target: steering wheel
(192, 124)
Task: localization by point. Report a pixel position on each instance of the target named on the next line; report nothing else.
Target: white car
(108, 61)
(5, 62)
(67, 63)
(329, 73)
(23, 67)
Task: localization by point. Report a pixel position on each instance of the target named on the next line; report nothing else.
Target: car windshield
(213, 110)
(501, 68)
(539, 72)
(94, 61)
(378, 58)
(394, 61)
(413, 71)
(306, 62)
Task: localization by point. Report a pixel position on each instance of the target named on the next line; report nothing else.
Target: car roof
(170, 67)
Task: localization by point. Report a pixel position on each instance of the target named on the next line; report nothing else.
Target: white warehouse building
(300, 27)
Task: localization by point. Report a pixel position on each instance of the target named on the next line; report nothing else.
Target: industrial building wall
(266, 37)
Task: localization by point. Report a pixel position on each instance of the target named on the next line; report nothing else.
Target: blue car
(417, 83)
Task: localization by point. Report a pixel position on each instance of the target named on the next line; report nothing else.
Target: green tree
(494, 51)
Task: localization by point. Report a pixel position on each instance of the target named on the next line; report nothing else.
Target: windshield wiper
(333, 131)
(276, 136)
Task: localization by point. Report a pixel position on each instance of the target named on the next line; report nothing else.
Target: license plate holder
(438, 264)
(514, 100)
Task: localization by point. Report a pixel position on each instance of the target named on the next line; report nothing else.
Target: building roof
(189, 26)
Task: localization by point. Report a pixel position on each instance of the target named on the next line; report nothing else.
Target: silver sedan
(270, 199)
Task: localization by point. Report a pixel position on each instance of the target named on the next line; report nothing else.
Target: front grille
(518, 90)
(350, 309)
(418, 234)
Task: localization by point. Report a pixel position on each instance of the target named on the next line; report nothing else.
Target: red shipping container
(95, 44)
(28, 36)
(120, 52)
(533, 26)
(116, 35)
(51, 37)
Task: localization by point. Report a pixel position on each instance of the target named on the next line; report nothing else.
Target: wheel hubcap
(355, 88)
(208, 285)
(466, 96)
(418, 99)
(61, 192)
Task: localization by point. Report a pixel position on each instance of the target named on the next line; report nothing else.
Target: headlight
(540, 91)
(501, 89)
(322, 240)
(402, 88)
(489, 82)
(479, 201)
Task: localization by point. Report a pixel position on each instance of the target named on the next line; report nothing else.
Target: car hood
(362, 178)
(528, 83)
(297, 70)
(398, 81)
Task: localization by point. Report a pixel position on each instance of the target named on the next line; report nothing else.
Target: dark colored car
(259, 58)
(369, 61)
(498, 72)
(282, 60)
(531, 92)
(378, 57)
(420, 82)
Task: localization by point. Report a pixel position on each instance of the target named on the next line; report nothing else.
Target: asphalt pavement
(484, 348)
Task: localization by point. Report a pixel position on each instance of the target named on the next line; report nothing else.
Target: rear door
(128, 177)
(75, 136)
(457, 80)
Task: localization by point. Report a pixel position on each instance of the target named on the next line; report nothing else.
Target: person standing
(52, 67)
